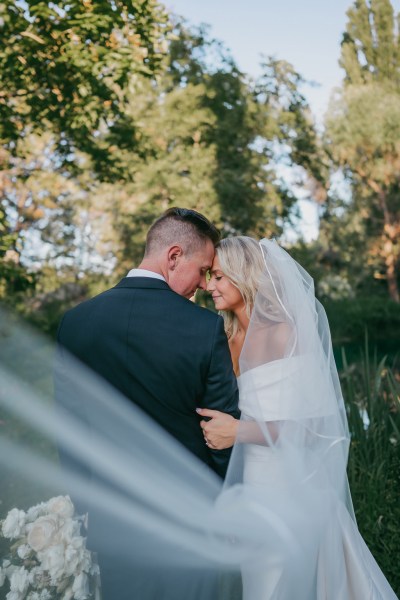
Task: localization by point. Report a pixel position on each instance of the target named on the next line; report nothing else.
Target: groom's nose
(203, 282)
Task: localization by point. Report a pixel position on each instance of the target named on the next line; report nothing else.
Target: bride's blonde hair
(242, 262)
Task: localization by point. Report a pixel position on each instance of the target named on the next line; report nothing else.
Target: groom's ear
(174, 254)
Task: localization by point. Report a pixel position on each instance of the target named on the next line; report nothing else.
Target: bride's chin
(220, 306)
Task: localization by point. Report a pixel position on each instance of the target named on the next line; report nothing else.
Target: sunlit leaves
(66, 65)
(363, 136)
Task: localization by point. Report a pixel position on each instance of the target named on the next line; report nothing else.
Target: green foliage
(379, 135)
(349, 319)
(372, 393)
(204, 136)
(363, 141)
(14, 278)
(66, 65)
(65, 71)
(208, 138)
(279, 90)
(370, 51)
(7, 239)
(55, 292)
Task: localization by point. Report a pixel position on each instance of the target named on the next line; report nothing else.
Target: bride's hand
(221, 429)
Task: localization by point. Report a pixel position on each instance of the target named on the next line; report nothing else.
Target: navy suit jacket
(168, 356)
(162, 351)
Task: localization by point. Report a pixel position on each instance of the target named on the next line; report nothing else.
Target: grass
(372, 392)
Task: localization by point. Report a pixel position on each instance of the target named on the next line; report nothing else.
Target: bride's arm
(222, 430)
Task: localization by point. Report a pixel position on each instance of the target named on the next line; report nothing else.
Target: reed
(371, 389)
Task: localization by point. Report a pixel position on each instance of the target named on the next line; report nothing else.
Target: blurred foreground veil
(153, 512)
(292, 447)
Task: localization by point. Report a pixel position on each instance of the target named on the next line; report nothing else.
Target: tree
(65, 66)
(205, 136)
(363, 134)
(14, 277)
(208, 141)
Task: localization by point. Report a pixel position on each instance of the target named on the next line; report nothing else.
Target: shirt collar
(145, 273)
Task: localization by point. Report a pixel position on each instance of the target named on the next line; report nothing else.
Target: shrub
(350, 318)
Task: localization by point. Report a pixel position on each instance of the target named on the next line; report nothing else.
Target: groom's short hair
(183, 226)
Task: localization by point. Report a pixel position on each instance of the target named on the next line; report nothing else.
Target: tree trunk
(392, 282)
(390, 263)
(390, 233)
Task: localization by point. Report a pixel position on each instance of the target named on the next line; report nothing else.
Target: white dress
(328, 559)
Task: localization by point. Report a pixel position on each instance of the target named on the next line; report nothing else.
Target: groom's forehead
(206, 255)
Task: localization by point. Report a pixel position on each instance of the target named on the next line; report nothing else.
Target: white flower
(24, 551)
(86, 561)
(69, 530)
(42, 532)
(14, 524)
(60, 559)
(36, 511)
(15, 596)
(52, 560)
(95, 569)
(77, 558)
(68, 594)
(19, 581)
(6, 571)
(8, 568)
(36, 577)
(80, 587)
(61, 505)
(73, 558)
(42, 595)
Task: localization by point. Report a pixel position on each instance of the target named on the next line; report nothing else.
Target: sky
(305, 33)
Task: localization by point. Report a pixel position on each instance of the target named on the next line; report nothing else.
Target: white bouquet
(48, 556)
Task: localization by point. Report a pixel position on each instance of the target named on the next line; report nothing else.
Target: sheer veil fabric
(284, 515)
(292, 406)
(151, 506)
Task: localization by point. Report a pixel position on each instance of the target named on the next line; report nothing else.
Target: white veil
(292, 445)
(152, 511)
(157, 515)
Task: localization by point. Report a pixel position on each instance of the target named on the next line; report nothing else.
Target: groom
(164, 353)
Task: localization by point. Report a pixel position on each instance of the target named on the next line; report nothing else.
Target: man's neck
(151, 265)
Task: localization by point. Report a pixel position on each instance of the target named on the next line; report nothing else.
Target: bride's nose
(210, 285)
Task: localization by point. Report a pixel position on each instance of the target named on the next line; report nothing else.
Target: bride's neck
(242, 321)
(236, 342)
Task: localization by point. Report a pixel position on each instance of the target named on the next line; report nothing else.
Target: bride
(292, 440)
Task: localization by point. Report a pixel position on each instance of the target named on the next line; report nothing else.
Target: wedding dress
(290, 391)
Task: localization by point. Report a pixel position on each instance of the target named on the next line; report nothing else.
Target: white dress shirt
(145, 273)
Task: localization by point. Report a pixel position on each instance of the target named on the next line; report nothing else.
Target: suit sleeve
(221, 392)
